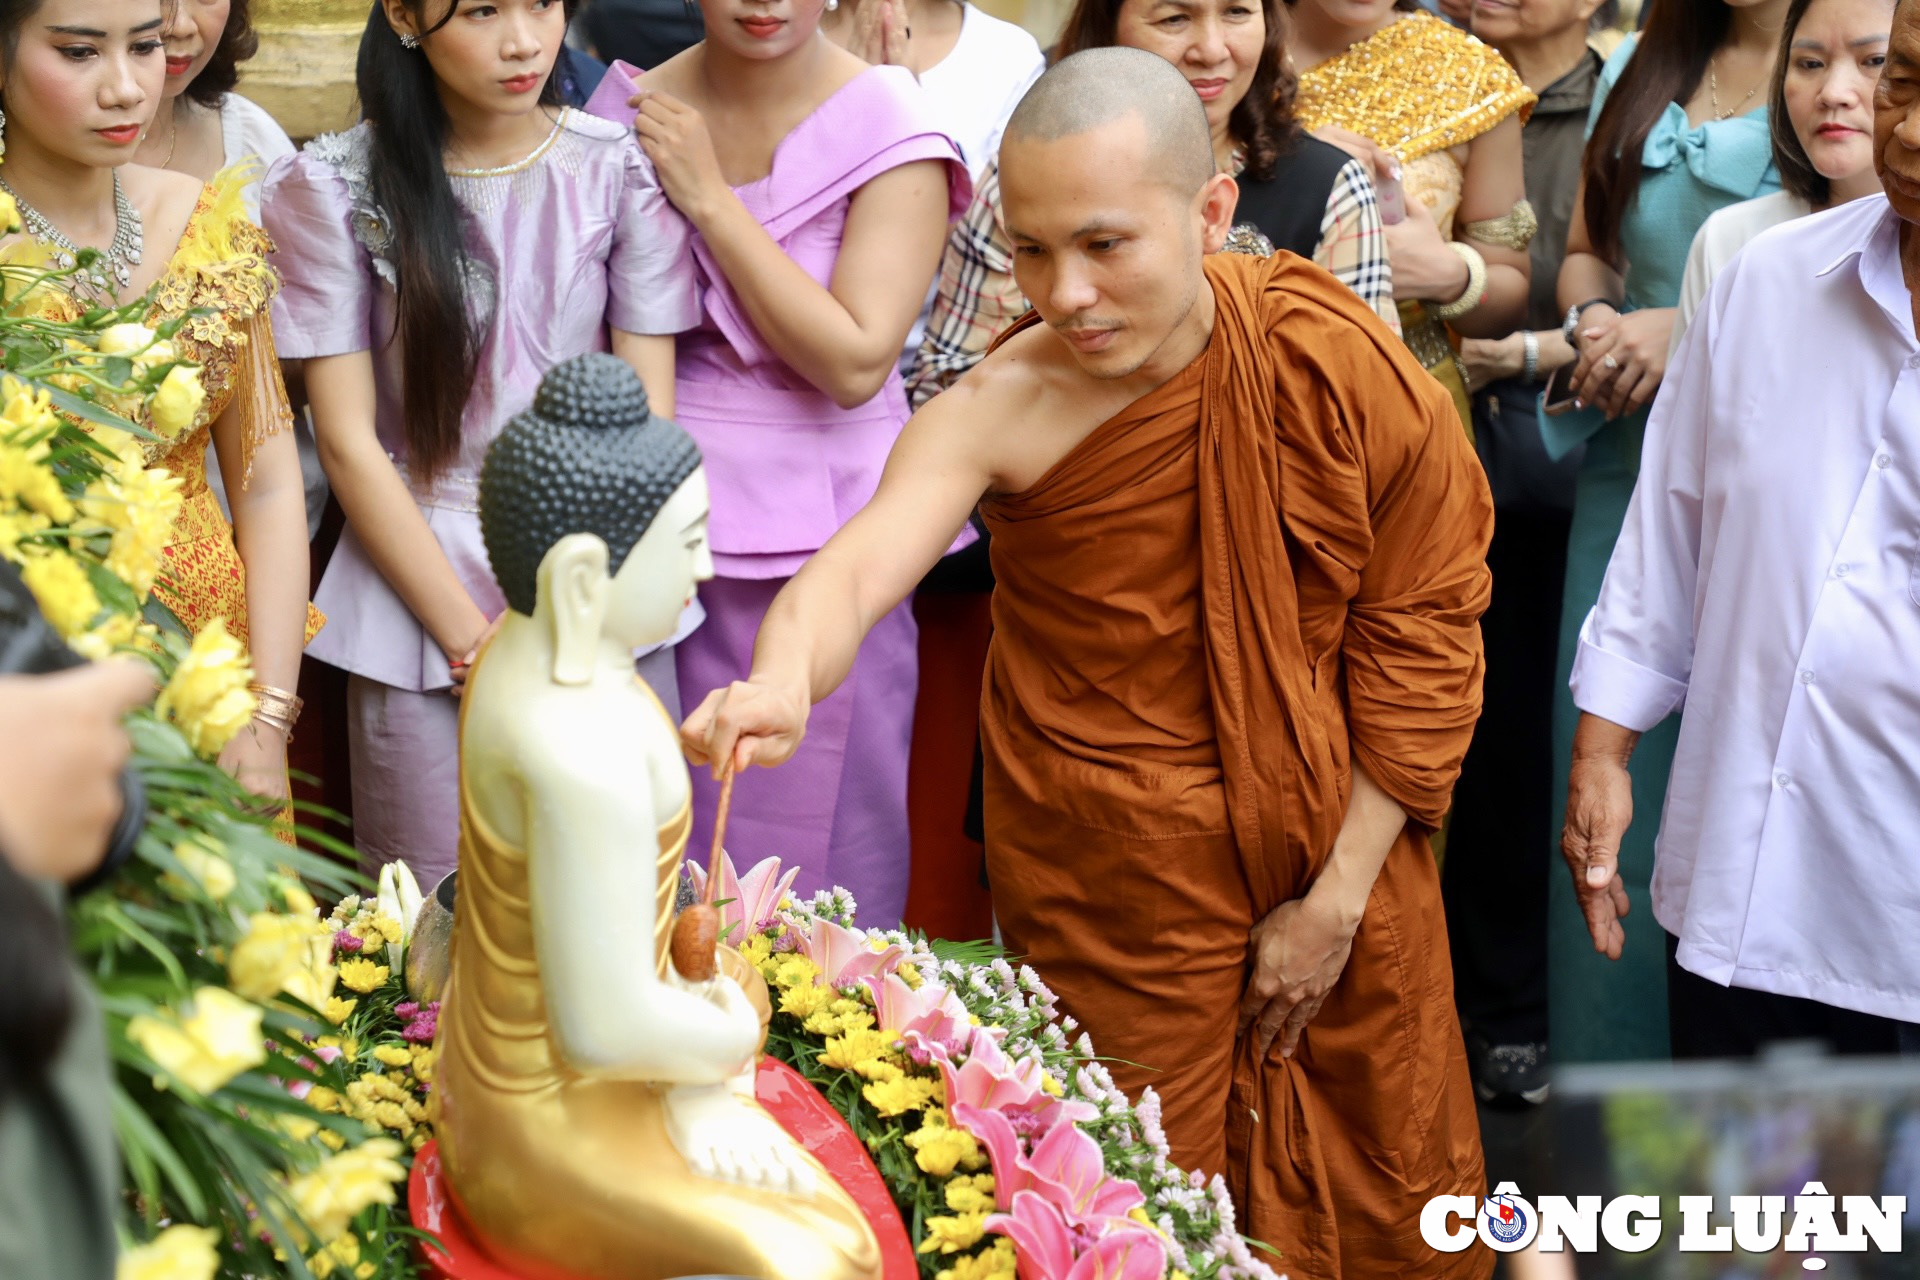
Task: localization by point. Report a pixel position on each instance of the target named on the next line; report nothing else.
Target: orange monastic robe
(1269, 568)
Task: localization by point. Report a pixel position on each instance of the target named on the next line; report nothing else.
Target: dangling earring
(408, 40)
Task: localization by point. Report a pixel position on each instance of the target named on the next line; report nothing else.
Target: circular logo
(1507, 1222)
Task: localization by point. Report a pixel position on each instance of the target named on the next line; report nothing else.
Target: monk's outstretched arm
(811, 634)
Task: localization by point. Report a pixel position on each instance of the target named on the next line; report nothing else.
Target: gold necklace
(1713, 96)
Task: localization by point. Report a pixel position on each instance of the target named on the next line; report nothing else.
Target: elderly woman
(1783, 880)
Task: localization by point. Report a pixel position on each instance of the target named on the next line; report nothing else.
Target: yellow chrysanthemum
(344, 1252)
(756, 950)
(939, 1149)
(28, 481)
(15, 524)
(393, 1055)
(178, 1253)
(28, 413)
(996, 1263)
(63, 590)
(176, 403)
(207, 696)
(795, 970)
(328, 1198)
(952, 1234)
(218, 1040)
(321, 1098)
(339, 1010)
(362, 975)
(805, 1000)
(970, 1193)
(847, 1052)
(139, 505)
(909, 975)
(897, 1095)
(112, 633)
(283, 953)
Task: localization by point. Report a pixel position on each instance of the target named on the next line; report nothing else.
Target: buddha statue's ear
(573, 591)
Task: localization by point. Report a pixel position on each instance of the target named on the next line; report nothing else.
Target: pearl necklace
(117, 260)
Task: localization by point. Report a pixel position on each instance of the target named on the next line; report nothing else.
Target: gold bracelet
(1513, 229)
(276, 705)
(1476, 284)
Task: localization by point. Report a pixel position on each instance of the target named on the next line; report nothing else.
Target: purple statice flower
(406, 1011)
(422, 1028)
(344, 941)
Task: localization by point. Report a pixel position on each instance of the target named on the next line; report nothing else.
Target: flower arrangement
(207, 954)
(1005, 1142)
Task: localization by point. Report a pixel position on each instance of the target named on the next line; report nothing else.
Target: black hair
(238, 42)
(588, 457)
(439, 335)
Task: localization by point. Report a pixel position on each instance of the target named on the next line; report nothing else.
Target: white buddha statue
(596, 1117)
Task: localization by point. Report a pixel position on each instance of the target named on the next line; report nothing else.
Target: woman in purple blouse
(438, 258)
(819, 190)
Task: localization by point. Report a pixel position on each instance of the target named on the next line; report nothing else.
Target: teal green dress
(1601, 1010)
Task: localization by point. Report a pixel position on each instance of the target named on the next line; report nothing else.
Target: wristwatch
(1572, 322)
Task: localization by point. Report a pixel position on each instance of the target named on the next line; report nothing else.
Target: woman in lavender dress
(820, 200)
(439, 258)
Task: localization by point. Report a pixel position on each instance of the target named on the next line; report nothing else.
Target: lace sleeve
(259, 391)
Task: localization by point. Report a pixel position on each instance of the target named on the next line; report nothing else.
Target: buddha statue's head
(594, 512)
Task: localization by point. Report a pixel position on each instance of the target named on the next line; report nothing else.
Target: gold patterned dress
(219, 269)
(1419, 87)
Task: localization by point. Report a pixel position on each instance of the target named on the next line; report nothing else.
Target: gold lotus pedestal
(303, 73)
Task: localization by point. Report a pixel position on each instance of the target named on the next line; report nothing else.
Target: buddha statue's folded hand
(709, 1031)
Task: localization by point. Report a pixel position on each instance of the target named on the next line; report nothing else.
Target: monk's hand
(1599, 810)
(1298, 953)
(749, 722)
(675, 137)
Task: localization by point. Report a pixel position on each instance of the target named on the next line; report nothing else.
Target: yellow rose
(207, 696)
(215, 1043)
(328, 1198)
(176, 403)
(283, 953)
(951, 1235)
(125, 340)
(362, 975)
(140, 506)
(9, 214)
(178, 1253)
(63, 590)
(208, 866)
(27, 480)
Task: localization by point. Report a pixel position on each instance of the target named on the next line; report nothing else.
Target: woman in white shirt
(202, 127)
(1831, 52)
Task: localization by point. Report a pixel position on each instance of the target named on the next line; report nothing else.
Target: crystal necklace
(118, 259)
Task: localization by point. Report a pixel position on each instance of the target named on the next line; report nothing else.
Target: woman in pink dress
(819, 194)
(439, 258)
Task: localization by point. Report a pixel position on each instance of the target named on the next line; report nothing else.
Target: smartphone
(1558, 397)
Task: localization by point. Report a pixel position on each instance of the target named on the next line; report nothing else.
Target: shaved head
(1100, 86)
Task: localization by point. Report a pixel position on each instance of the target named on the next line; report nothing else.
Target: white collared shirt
(1768, 576)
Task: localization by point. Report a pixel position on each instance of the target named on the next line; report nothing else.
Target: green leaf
(88, 411)
(147, 941)
(140, 1140)
(112, 589)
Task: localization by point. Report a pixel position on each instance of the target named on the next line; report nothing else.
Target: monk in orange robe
(1240, 540)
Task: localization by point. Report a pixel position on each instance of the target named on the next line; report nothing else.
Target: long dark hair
(1262, 122)
(439, 336)
(237, 43)
(1678, 41)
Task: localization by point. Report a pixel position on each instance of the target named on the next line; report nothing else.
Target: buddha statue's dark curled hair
(587, 457)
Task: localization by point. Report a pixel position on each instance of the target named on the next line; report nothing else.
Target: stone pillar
(303, 73)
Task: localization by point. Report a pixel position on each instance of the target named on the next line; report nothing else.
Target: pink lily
(991, 1081)
(750, 900)
(931, 1020)
(845, 957)
(1050, 1247)
(1065, 1168)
